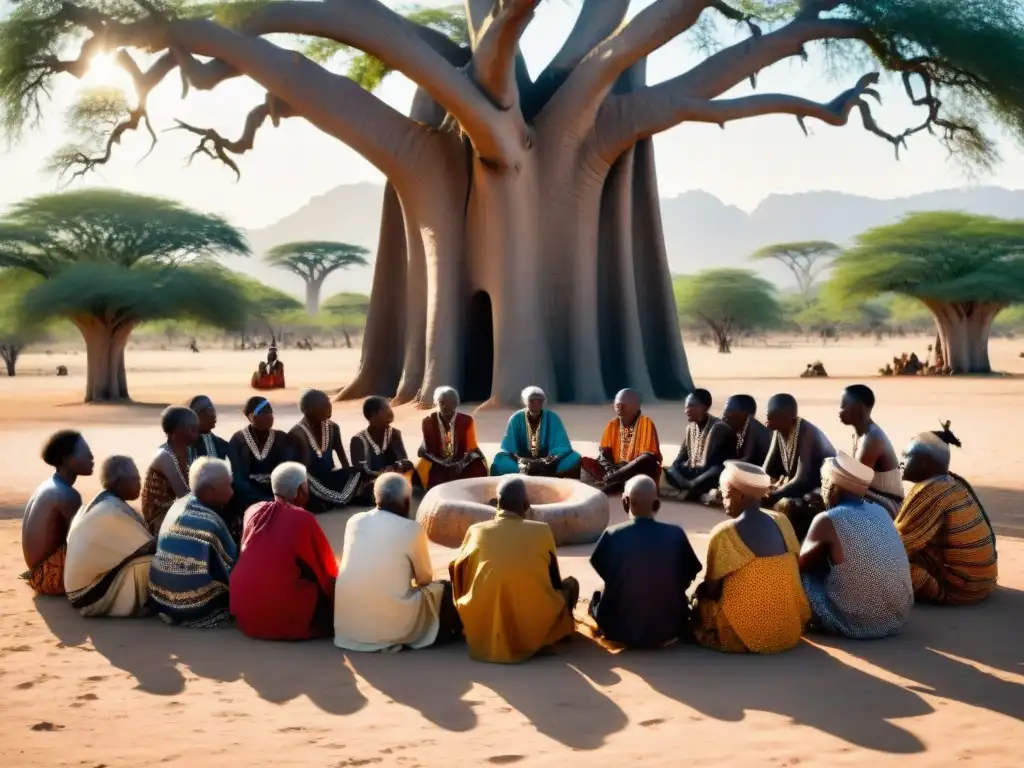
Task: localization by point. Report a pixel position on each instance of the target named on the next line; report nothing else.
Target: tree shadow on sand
(807, 685)
(548, 690)
(941, 645)
(154, 653)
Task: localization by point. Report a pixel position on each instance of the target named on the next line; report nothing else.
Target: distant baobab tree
(313, 261)
(806, 260)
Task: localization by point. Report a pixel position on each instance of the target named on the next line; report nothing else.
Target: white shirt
(383, 596)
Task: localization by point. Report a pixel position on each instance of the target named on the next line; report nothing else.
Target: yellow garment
(105, 534)
(763, 608)
(501, 583)
(949, 541)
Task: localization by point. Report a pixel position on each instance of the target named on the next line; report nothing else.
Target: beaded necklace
(447, 436)
(533, 434)
(696, 442)
(251, 442)
(379, 449)
(325, 437)
(177, 465)
(787, 448)
(741, 436)
(626, 435)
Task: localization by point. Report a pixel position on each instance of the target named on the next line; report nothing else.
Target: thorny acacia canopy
(943, 256)
(961, 63)
(315, 259)
(729, 299)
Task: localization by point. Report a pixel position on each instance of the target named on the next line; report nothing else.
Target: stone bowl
(576, 513)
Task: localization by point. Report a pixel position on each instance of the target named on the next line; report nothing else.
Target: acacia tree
(111, 260)
(728, 302)
(15, 333)
(349, 312)
(965, 269)
(521, 241)
(806, 260)
(313, 261)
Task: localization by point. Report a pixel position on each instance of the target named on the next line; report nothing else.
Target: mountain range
(700, 230)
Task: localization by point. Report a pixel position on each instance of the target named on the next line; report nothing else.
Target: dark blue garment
(647, 567)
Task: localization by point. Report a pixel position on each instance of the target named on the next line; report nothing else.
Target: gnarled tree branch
(494, 58)
(657, 108)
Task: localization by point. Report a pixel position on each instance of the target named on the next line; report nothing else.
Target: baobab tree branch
(627, 119)
(581, 96)
(216, 147)
(494, 59)
(598, 19)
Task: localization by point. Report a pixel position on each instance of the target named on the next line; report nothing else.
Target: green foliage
(15, 332)
(369, 71)
(733, 298)
(1010, 319)
(143, 292)
(315, 259)
(941, 257)
(50, 233)
(346, 310)
(32, 31)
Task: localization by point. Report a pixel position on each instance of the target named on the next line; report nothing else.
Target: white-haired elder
(385, 597)
(283, 585)
(110, 548)
(535, 442)
(194, 532)
(449, 450)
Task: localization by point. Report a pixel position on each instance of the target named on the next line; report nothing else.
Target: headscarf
(930, 444)
(748, 479)
(847, 473)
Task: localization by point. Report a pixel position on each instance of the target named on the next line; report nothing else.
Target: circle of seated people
(576, 513)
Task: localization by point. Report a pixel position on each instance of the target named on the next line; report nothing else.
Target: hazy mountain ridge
(700, 230)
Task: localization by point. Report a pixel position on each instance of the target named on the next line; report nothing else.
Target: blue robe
(553, 440)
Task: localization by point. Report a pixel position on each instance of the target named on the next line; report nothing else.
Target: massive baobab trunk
(105, 343)
(964, 329)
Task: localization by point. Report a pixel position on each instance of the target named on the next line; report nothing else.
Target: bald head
(512, 496)
(640, 497)
(627, 405)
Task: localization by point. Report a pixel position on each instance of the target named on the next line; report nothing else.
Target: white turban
(931, 444)
(848, 473)
(748, 479)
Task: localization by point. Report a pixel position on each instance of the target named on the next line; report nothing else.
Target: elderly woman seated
(449, 450)
(751, 599)
(536, 443)
(283, 585)
(110, 547)
(194, 533)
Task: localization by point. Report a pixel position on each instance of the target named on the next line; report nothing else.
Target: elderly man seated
(283, 585)
(193, 532)
(535, 442)
(386, 597)
(944, 527)
(629, 447)
(855, 572)
(449, 450)
(508, 590)
(110, 547)
(647, 567)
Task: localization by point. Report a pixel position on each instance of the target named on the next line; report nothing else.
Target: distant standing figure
(854, 570)
(282, 587)
(167, 474)
(507, 586)
(194, 533)
(110, 548)
(386, 597)
(944, 527)
(707, 445)
(48, 514)
(449, 450)
(629, 447)
(871, 447)
(647, 567)
(751, 599)
(535, 442)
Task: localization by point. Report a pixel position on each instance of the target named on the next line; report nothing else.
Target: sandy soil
(132, 693)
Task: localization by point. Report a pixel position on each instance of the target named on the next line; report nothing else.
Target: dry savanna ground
(116, 693)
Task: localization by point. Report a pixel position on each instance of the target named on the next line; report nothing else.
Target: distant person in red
(282, 587)
(269, 375)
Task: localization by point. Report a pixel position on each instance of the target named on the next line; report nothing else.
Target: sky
(740, 165)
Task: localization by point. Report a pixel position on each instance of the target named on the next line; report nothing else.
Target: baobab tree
(521, 241)
(313, 261)
(965, 269)
(806, 260)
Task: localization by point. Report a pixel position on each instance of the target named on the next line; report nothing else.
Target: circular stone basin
(576, 513)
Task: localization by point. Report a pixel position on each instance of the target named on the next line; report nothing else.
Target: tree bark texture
(963, 329)
(9, 353)
(105, 343)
